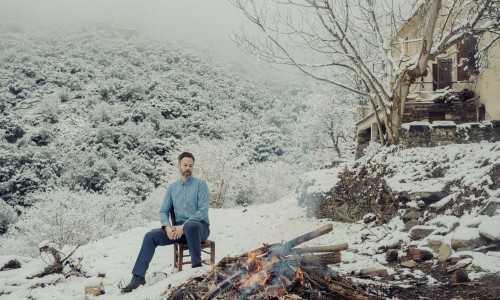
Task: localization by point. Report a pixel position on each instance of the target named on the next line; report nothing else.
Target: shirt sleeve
(165, 208)
(203, 201)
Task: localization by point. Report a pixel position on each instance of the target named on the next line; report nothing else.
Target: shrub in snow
(26, 172)
(42, 137)
(134, 186)
(69, 217)
(49, 110)
(90, 172)
(234, 181)
(7, 216)
(108, 136)
(13, 133)
(132, 92)
(3, 104)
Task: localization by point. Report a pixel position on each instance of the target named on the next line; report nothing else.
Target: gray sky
(205, 24)
(182, 17)
(202, 23)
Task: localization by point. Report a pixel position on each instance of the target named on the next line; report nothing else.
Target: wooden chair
(207, 246)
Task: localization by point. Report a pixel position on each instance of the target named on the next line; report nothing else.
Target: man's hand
(170, 232)
(174, 232)
(178, 231)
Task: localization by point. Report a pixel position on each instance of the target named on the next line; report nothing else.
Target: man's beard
(186, 174)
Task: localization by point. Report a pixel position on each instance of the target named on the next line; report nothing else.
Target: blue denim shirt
(190, 199)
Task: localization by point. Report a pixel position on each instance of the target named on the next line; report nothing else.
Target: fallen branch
(58, 265)
(69, 255)
(73, 269)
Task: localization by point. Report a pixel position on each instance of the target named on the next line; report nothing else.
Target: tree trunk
(412, 72)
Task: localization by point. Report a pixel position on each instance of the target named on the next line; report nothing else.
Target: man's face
(186, 167)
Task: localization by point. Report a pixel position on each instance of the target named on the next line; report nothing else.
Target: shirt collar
(187, 182)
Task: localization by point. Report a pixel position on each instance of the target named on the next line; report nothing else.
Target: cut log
(321, 259)
(334, 248)
(308, 236)
(285, 248)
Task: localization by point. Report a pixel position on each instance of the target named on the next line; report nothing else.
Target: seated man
(190, 198)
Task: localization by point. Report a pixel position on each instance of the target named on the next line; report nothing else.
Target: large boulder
(490, 228)
(444, 252)
(419, 255)
(465, 238)
(374, 272)
(420, 232)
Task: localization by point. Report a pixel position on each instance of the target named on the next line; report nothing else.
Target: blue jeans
(194, 233)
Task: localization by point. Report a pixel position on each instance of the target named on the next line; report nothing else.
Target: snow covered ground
(235, 231)
(238, 230)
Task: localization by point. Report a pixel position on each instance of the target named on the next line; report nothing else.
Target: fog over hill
(205, 25)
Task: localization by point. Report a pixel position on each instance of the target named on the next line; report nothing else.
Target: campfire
(277, 271)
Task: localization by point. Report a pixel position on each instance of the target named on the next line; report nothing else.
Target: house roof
(417, 9)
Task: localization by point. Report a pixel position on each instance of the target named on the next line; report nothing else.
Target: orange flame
(299, 275)
(257, 270)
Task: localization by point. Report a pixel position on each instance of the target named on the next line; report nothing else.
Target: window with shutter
(471, 55)
(466, 58)
(444, 67)
(462, 61)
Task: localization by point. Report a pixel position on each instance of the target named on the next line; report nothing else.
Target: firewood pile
(277, 271)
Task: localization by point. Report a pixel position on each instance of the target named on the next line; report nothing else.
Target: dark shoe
(134, 283)
(196, 266)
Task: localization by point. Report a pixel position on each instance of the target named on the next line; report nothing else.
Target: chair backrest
(172, 216)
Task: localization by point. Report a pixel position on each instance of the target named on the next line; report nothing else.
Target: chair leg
(175, 256)
(180, 257)
(212, 252)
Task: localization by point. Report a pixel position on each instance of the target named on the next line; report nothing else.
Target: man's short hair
(185, 154)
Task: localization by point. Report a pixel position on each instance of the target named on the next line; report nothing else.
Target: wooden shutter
(463, 61)
(471, 54)
(444, 66)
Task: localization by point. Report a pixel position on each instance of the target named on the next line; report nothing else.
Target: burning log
(211, 293)
(275, 271)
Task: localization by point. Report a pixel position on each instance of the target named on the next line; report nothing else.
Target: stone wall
(424, 134)
(457, 111)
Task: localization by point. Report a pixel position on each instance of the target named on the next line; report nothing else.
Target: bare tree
(338, 41)
(334, 135)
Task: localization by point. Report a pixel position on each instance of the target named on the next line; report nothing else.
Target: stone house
(456, 96)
